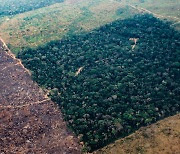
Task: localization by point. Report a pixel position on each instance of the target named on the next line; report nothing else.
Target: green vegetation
(108, 82)
(112, 80)
(160, 137)
(40, 26)
(12, 7)
(164, 9)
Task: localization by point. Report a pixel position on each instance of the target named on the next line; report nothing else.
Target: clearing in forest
(30, 122)
(120, 89)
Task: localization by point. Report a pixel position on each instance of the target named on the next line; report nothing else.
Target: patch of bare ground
(79, 71)
(162, 137)
(29, 121)
(135, 42)
(73, 1)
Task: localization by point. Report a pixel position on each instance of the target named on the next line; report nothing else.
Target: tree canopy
(113, 80)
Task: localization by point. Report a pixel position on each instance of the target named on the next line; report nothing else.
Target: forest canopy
(12, 7)
(113, 80)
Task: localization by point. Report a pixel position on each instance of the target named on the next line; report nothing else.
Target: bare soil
(73, 1)
(79, 71)
(29, 121)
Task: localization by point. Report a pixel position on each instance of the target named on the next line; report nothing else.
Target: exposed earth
(29, 121)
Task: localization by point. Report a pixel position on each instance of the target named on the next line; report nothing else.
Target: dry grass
(160, 138)
(40, 26)
(168, 9)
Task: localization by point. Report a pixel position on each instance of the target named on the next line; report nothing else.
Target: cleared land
(164, 9)
(40, 26)
(37, 27)
(167, 8)
(161, 138)
(113, 80)
(29, 121)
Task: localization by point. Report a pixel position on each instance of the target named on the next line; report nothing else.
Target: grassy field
(40, 26)
(162, 7)
(165, 9)
(37, 27)
(161, 137)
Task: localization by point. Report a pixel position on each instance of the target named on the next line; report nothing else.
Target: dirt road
(140, 9)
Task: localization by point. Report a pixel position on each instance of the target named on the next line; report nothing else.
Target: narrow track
(140, 9)
(13, 56)
(25, 105)
(30, 121)
(19, 63)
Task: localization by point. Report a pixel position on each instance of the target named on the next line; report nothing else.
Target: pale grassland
(169, 9)
(162, 7)
(40, 26)
(161, 137)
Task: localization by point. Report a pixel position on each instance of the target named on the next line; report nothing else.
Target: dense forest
(113, 80)
(12, 7)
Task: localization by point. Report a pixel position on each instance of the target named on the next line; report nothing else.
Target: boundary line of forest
(140, 9)
(9, 53)
(13, 56)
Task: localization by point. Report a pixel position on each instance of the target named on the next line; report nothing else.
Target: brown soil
(79, 71)
(29, 121)
(73, 1)
(162, 137)
(135, 42)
